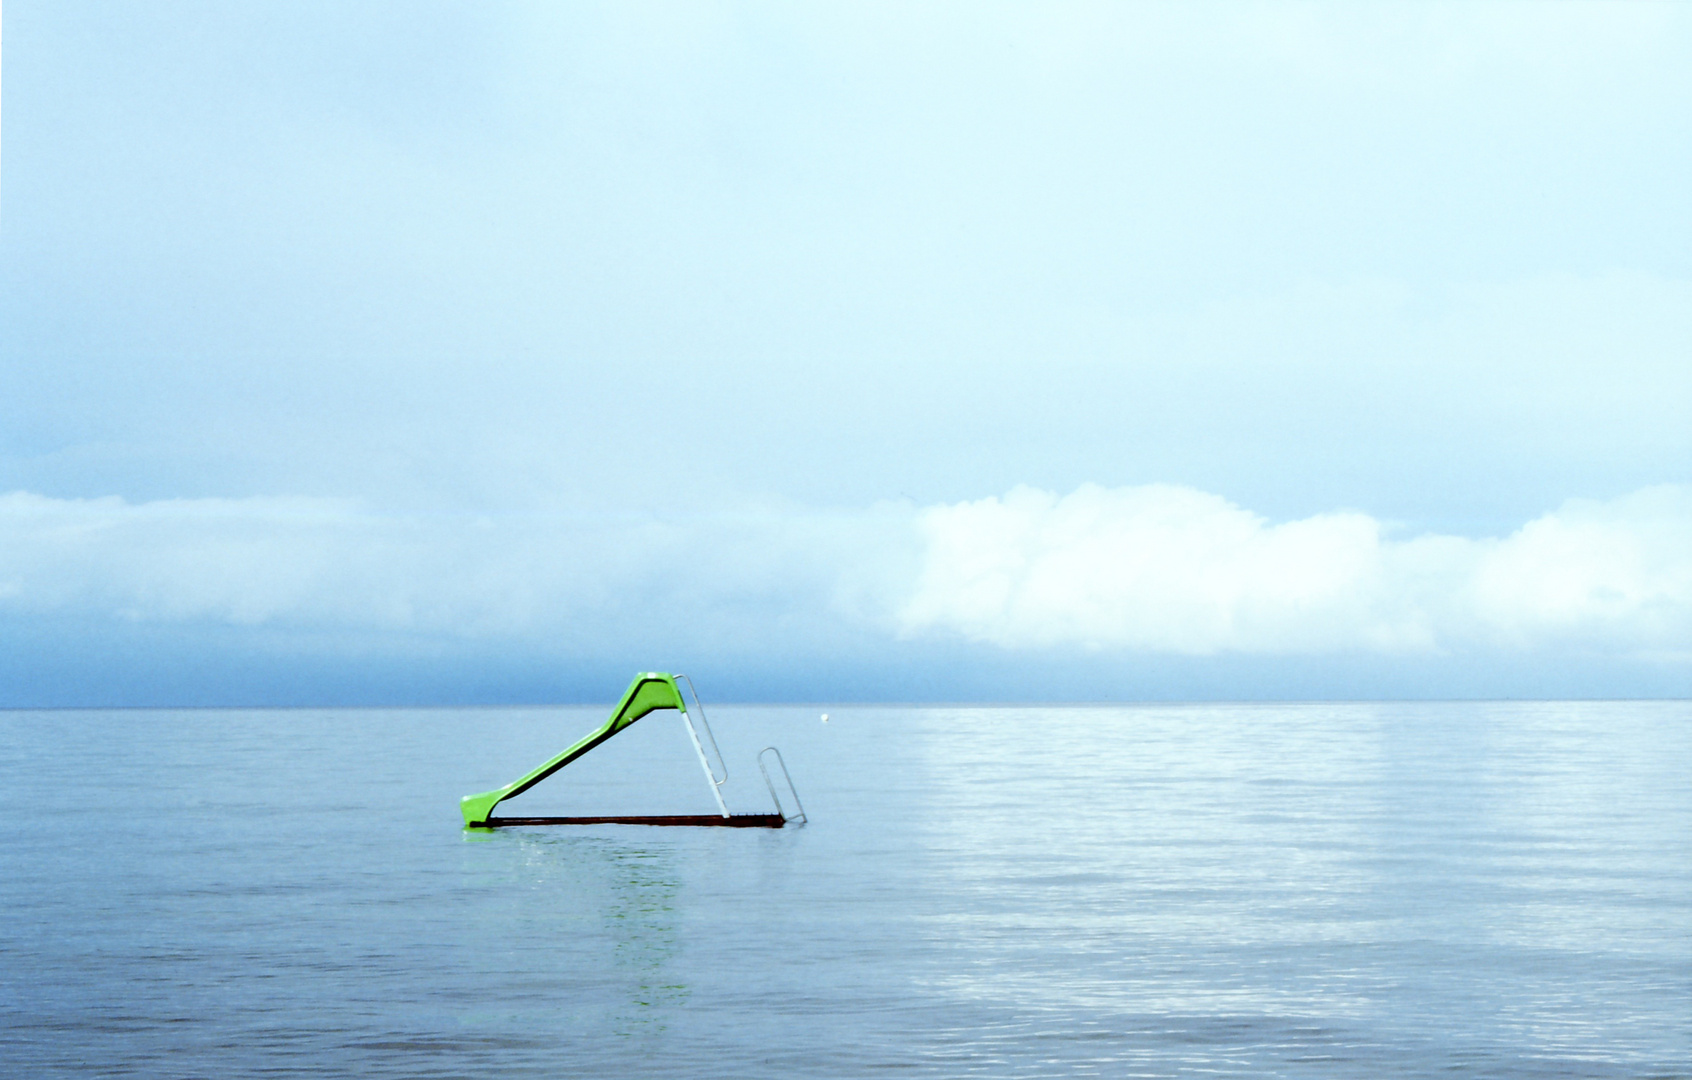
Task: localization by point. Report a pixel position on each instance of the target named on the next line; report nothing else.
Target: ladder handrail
(801, 818)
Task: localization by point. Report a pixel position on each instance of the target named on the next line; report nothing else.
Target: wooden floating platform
(736, 821)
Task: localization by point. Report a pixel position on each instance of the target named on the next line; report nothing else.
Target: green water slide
(649, 692)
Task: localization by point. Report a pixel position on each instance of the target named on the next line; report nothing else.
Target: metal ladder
(699, 748)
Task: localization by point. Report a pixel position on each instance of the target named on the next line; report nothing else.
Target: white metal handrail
(791, 790)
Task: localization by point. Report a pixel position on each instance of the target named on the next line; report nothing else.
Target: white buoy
(825, 718)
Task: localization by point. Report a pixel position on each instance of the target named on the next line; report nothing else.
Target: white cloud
(1618, 573)
(1170, 569)
(336, 565)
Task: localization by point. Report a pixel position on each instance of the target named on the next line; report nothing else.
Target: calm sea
(1321, 890)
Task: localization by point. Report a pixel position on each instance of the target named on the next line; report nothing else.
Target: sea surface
(1263, 890)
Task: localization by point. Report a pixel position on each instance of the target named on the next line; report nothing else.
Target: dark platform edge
(737, 821)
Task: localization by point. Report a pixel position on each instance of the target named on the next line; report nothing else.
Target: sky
(448, 353)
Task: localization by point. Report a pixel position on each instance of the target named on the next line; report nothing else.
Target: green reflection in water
(610, 904)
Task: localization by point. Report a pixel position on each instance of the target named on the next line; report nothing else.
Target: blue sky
(489, 352)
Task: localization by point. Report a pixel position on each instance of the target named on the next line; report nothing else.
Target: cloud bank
(1156, 569)
(337, 567)
(1170, 569)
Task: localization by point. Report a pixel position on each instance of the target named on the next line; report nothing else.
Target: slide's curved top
(649, 692)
